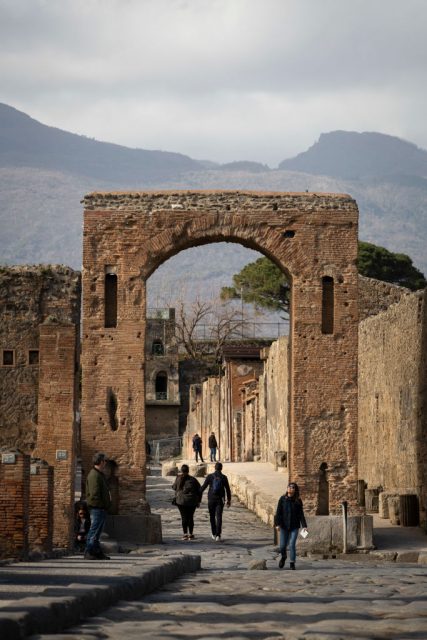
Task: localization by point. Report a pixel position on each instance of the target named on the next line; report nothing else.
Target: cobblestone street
(226, 599)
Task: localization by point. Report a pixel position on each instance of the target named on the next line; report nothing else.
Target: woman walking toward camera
(289, 518)
(187, 498)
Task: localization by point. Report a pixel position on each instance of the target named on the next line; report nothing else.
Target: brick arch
(309, 236)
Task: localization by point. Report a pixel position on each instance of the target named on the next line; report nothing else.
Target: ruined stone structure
(162, 400)
(312, 237)
(39, 328)
(393, 396)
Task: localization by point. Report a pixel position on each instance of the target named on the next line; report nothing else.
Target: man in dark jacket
(197, 447)
(218, 490)
(213, 445)
(99, 501)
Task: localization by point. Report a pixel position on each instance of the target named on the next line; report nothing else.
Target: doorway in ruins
(201, 310)
(312, 237)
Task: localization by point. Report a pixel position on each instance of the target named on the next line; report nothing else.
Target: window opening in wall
(327, 305)
(112, 409)
(157, 348)
(8, 358)
(323, 491)
(162, 386)
(33, 356)
(110, 300)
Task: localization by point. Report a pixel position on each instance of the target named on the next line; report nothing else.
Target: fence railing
(248, 330)
(163, 448)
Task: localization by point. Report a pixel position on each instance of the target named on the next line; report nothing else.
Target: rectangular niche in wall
(327, 305)
(110, 297)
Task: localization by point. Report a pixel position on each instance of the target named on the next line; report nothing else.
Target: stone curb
(58, 608)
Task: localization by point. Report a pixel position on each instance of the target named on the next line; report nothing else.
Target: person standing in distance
(213, 446)
(197, 447)
(218, 490)
(289, 518)
(98, 501)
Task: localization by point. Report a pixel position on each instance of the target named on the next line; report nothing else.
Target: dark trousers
(216, 507)
(198, 453)
(187, 517)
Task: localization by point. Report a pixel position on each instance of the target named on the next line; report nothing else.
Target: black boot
(282, 561)
(292, 566)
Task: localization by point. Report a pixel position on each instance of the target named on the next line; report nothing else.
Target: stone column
(14, 502)
(41, 506)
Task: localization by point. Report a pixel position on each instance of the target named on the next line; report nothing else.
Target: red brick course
(14, 504)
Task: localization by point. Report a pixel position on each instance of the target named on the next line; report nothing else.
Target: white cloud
(219, 79)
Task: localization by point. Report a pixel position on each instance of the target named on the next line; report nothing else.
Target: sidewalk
(258, 486)
(47, 596)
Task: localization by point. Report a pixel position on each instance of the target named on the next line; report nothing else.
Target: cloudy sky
(217, 79)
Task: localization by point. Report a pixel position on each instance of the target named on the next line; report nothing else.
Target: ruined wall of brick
(57, 429)
(310, 236)
(40, 519)
(29, 295)
(14, 503)
(251, 449)
(191, 372)
(274, 402)
(392, 398)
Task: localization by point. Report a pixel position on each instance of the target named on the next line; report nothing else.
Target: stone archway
(313, 237)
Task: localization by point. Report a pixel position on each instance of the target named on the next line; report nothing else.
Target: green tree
(263, 284)
(397, 268)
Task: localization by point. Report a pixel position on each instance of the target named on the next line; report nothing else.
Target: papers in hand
(303, 533)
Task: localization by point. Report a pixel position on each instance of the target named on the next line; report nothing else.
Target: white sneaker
(213, 537)
(218, 539)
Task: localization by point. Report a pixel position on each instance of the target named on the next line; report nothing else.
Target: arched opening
(323, 491)
(220, 345)
(161, 386)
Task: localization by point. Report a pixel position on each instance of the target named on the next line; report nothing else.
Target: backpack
(217, 485)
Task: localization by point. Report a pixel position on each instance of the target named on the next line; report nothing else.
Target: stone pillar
(14, 502)
(57, 430)
(40, 534)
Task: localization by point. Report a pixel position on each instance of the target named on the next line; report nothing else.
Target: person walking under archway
(289, 518)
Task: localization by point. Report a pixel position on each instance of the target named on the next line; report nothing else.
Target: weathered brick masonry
(14, 503)
(312, 237)
(40, 521)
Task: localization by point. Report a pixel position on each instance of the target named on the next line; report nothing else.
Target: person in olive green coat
(99, 501)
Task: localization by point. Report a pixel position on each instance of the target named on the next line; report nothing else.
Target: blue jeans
(97, 520)
(288, 536)
(213, 454)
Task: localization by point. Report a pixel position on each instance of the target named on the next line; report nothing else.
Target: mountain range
(44, 172)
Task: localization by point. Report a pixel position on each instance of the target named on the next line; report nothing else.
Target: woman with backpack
(187, 498)
(218, 490)
(289, 518)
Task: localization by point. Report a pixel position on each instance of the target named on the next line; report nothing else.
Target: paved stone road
(322, 599)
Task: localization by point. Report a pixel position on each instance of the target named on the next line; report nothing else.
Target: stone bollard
(394, 509)
(169, 469)
(198, 470)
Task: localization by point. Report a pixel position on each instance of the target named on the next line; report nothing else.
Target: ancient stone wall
(40, 518)
(57, 428)
(28, 296)
(274, 397)
(376, 296)
(312, 237)
(14, 503)
(392, 398)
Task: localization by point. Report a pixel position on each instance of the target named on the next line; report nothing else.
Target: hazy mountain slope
(41, 214)
(351, 155)
(24, 142)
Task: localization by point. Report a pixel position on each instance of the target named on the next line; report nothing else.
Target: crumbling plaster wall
(274, 398)
(392, 438)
